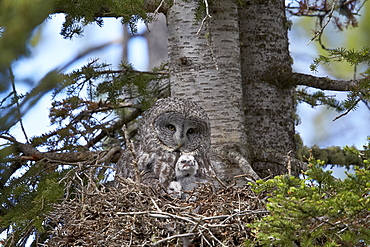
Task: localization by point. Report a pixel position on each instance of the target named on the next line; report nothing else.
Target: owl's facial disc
(178, 133)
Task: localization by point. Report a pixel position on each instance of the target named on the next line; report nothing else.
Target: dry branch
(31, 153)
(133, 214)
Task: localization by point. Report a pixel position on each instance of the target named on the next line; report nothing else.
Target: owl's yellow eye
(171, 127)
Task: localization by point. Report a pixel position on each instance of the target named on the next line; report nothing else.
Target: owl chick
(174, 190)
(186, 172)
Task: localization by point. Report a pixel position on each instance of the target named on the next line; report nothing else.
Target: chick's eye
(190, 131)
(171, 127)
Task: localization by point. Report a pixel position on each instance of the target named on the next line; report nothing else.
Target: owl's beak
(179, 140)
(179, 145)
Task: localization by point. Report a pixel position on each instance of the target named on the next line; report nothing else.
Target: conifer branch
(324, 83)
(331, 156)
(17, 103)
(348, 110)
(36, 155)
(330, 15)
(278, 158)
(124, 71)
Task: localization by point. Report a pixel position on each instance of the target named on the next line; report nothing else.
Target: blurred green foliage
(18, 19)
(82, 12)
(26, 199)
(18, 22)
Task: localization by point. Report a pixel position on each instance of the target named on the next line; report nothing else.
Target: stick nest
(133, 214)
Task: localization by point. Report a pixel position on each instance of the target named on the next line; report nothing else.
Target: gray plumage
(175, 189)
(186, 170)
(170, 128)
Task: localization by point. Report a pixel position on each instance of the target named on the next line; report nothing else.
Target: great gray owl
(170, 128)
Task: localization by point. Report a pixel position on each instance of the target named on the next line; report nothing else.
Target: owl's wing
(124, 166)
(229, 167)
(162, 168)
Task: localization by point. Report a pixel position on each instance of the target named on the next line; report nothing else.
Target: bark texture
(205, 67)
(268, 100)
(235, 68)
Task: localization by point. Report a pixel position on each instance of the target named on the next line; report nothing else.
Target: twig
(88, 51)
(157, 9)
(155, 214)
(219, 180)
(214, 237)
(204, 237)
(107, 156)
(18, 105)
(205, 18)
(330, 15)
(132, 213)
(158, 214)
(172, 237)
(131, 148)
(348, 111)
(124, 71)
(155, 205)
(244, 214)
(289, 163)
(239, 203)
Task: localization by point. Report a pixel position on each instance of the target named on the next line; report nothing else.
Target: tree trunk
(236, 80)
(269, 105)
(205, 67)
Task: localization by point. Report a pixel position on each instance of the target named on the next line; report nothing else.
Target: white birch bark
(206, 67)
(232, 69)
